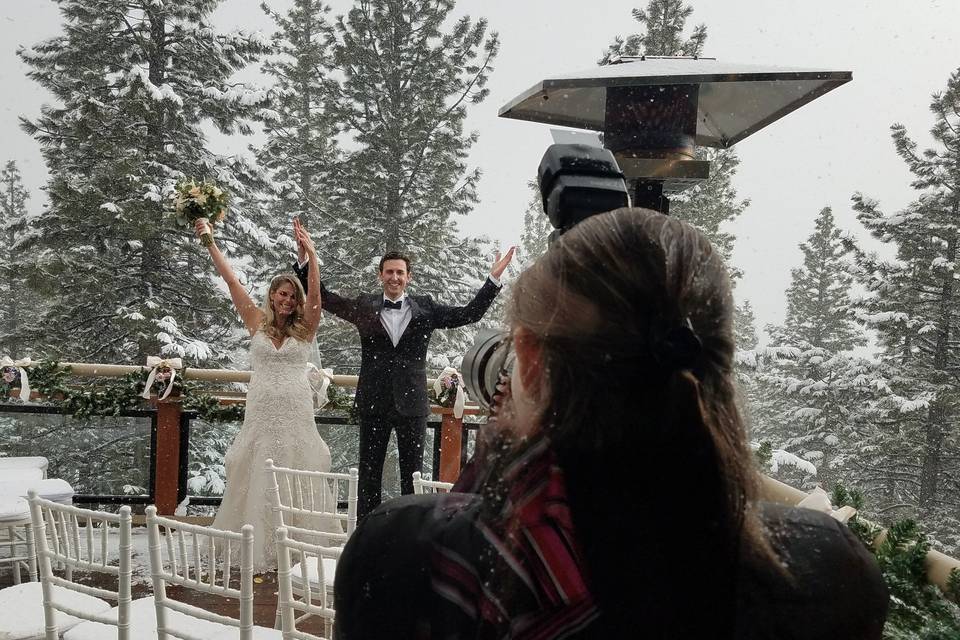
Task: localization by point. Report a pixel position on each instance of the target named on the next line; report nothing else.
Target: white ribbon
(21, 365)
(461, 400)
(818, 500)
(156, 364)
(319, 380)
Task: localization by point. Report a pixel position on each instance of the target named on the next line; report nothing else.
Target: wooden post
(167, 472)
(451, 443)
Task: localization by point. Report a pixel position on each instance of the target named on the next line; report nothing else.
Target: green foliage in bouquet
(193, 201)
(918, 609)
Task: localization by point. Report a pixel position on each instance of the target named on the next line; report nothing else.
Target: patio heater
(653, 112)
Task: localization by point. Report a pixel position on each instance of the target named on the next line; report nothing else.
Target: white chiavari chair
(314, 600)
(201, 559)
(302, 502)
(79, 539)
(429, 486)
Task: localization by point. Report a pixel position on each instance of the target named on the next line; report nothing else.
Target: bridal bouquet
(204, 201)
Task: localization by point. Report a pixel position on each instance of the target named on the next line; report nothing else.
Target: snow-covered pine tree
(819, 307)
(13, 226)
(912, 305)
(134, 84)
(663, 23)
(408, 80)
(301, 151)
(536, 227)
(814, 389)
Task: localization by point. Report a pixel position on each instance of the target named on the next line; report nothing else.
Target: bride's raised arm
(246, 307)
(312, 306)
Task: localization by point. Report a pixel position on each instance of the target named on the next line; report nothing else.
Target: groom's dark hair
(395, 255)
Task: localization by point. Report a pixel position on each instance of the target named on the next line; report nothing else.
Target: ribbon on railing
(319, 380)
(461, 400)
(818, 500)
(21, 365)
(157, 366)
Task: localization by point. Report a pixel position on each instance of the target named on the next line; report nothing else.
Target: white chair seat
(13, 509)
(21, 610)
(25, 474)
(329, 572)
(143, 624)
(52, 489)
(24, 462)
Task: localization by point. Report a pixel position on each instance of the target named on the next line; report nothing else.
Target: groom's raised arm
(345, 308)
(450, 317)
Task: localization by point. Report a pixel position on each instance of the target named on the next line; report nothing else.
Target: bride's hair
(294, 326)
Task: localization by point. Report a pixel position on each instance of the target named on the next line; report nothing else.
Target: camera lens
(482, 364)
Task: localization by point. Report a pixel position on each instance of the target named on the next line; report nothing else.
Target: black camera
(576, 181)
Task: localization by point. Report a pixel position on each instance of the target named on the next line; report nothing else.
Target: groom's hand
(500, 263)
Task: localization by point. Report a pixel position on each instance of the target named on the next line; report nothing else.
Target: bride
(278, 422)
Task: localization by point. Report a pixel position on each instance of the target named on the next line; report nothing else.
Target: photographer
(613, 494)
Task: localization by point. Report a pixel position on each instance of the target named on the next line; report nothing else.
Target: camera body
(576, 181)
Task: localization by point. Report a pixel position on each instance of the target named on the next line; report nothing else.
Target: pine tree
(912, 305)
(301, 151)
(536, 227)
(408, 81)
(13, 226)
(819, 309)
(663, 23)
(134, 83)
(815, 391)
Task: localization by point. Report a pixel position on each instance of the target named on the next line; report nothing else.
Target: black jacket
(383, 585)
(394, 379)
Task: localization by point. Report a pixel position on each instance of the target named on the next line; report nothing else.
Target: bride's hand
(201, 226)
(303, 240)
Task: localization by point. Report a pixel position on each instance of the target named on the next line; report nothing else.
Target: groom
(395, 330)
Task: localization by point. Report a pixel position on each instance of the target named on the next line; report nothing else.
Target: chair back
(199, 558)
(429, 486)
(78, 540)
(315, 599)
(302, 500)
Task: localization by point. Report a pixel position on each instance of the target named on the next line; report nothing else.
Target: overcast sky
(815, 157)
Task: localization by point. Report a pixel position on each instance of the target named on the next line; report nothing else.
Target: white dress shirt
(395, 321)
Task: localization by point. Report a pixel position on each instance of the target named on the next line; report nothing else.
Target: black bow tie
(387, 304)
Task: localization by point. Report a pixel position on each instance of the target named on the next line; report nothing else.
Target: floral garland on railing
(49, 380)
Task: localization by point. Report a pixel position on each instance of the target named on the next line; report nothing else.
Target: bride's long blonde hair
(294, 326)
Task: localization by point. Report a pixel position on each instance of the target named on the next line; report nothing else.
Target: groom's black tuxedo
(392, 389)
(393, 379)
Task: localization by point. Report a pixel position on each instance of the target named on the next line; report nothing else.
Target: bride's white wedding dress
(278, 424)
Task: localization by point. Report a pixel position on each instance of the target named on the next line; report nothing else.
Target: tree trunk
(151, 257)
(937, 415)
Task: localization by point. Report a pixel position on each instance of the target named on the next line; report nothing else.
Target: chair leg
(12, 533)
(32, 568)
(276, 620)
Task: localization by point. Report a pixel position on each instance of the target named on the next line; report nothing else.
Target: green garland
(49, 380)
(918, 609)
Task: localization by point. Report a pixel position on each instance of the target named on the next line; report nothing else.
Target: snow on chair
(200, 558)
(83, 546)
(312, 581)
(429, 486)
